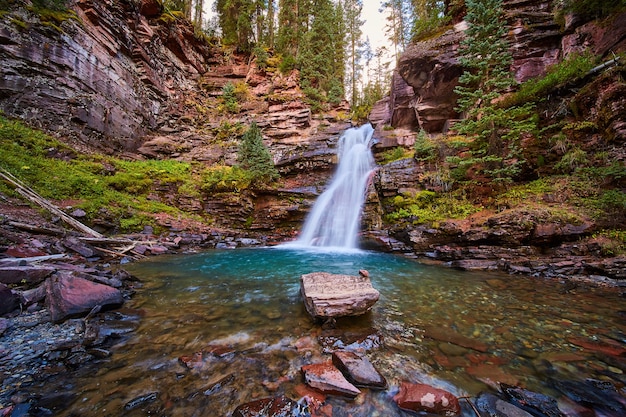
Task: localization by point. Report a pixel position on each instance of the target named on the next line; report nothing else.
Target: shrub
(254, 157)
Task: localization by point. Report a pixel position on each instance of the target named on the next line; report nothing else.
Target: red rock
(491, 374)
(604, 346)
(445, 334)
(326, 378)
(192, 361)
(267, 407)
(150, 8)
(358, 370)
(421, 397)
(8, 300)
(27, 274)
(68, 295)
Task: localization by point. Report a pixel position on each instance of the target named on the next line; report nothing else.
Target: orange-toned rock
(326, 378)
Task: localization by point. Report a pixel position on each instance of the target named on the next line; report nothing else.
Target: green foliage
(122, 191)
(225, 179)
(572, 160)
(262, 57)
(428, 207)
(394, 154)
(573, 68)
(287, 64)
(254, 157)
(426, 149)
(496, 131)
(229, 98)
(592, 9)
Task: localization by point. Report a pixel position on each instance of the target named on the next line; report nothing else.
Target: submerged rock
(490, 405)
(421, 397)
(270, 407)
(329, 295)
(534, 402)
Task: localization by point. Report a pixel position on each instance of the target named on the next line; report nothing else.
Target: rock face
(101, 76)
(422, 95)
(329, 295)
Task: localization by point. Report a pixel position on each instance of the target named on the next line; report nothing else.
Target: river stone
(68, 295)
(8, 300)
(329, 295)
(492, 406)
(358, 370)
(325, 377)
(268, 407)
(421, 397)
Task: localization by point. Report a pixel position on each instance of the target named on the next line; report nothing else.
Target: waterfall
(335, 217)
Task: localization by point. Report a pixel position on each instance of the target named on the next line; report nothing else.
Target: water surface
(524, 332)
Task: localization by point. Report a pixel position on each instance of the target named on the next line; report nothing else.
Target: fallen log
(31, 195)
(37, 229)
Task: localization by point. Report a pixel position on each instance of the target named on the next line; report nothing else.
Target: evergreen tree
(355, 46)
(494, 130)
(321, 57)
(235, 18)
(254, 157)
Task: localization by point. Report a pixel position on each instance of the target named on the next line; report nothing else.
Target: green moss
(395, 154)
(126, 192)
(428, 207)
(536, 89)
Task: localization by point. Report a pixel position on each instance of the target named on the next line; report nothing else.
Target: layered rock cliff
(422, 95)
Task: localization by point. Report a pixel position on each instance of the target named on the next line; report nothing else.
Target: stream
(460, 331)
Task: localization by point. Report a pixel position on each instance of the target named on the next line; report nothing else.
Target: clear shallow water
(525, 331)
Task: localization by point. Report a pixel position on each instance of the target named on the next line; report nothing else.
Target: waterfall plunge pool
(525, 331)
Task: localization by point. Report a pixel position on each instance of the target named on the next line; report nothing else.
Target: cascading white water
(335, 217)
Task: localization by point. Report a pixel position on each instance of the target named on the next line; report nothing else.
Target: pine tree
(355, 46)
(254, 157)
(495, 130)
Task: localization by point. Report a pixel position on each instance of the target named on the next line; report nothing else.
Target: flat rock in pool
(329, 295)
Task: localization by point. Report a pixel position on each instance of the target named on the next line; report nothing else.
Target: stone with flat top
(329, 295)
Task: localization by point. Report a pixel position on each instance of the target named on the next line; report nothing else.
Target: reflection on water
(456, 330)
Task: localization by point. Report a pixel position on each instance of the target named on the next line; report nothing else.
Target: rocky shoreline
(62, 295)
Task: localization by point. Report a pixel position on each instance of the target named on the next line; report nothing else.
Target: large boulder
(68, 295)
(329, 295)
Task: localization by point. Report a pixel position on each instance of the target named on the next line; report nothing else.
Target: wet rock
(358, 370)
(141, 401)
(361, 341)
(491, 406)
(326, 378)
(25, 274)
(421, 397)
(269, 407)
(329, 295)
(68, 295)
(445, 334)
(603, 346)
(9, 301)
(600, 395)
(534, 402)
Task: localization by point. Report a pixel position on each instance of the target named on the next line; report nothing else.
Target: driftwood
(32, 259)
(31, 195)
(37, 229)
